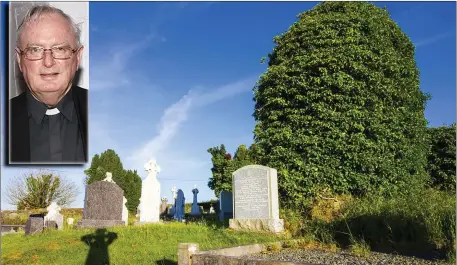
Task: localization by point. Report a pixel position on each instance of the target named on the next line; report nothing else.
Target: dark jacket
(19, 138)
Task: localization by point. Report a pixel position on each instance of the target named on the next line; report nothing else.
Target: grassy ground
(421, 224)
(151, 244)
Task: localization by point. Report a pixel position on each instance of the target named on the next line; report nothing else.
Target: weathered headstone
(51, 225)
(54, 215)
(35, 224)
(211, 210)
(163, 206)
(125, 212)
(180, 202)
(150, 195)
(70, 221)
(173, 204)
(255, 199)
(225, 205)
(195, 210)
(102, 206)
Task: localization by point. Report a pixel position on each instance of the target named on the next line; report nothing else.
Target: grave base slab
(266, 225)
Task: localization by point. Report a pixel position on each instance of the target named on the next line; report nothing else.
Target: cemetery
(342, 171)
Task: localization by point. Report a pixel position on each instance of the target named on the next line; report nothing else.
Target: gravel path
(318, 256)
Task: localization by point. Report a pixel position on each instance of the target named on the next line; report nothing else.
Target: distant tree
(221, 178)
(129, 181)
(339, 106)
(442, 157)
(224, 165)
(37, 190)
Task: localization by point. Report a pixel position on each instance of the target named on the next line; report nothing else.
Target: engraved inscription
(251, 194)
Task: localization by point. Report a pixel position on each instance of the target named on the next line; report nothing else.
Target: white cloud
(175, 115)
(432, 39)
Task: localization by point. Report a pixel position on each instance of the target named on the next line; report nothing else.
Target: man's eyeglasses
(37, 53)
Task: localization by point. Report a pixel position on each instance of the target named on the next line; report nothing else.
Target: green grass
(149, 244)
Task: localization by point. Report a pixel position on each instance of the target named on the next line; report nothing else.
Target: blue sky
(170, 80)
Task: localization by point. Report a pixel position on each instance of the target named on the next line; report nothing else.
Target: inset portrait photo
(48, 83)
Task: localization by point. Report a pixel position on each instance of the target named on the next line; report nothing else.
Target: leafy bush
(441, 159)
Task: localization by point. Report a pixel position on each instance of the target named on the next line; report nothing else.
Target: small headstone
(211, 210)
(125, 212)
(225, 205)
(70, 221)
(51, 225)
(195, 210)
(102, 206)
(255, 199)
(180, 203)
(54, 215)
(35, 224)
(173, 204)
(163, 206)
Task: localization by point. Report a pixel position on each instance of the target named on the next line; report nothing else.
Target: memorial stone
(255, 199)
(180, 203)
(195, 210)
(150, 195)
(102, 206)
(35, 224)
(225, 205)
(54, 215)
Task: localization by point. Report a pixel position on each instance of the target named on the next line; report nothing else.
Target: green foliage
(339, 106)
(441, 159)
(36, 190)
(128, 180)
(224, 165)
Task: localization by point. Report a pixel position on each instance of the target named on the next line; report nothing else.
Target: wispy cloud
(432, 39)
(177, 113)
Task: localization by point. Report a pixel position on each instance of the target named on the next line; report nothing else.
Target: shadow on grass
(166, 262)
(98, 243)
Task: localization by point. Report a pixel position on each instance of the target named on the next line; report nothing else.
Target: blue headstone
(195, 208)
(225, 205)
(179, 209)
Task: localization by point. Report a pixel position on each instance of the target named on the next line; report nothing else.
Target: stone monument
(35, 224)
(255, 199)
(180, 202)
(102, 205)
(195, 210)
(164, 206)
(173, 204)
(125, 212)
(54, 215)
(150, 194)
(225, 205)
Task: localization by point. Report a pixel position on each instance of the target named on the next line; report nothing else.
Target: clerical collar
(39, 110)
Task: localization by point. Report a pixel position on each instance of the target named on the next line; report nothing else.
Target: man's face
(48, 78)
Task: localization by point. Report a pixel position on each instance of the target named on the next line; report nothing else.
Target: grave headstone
(51, 225)
(211, 210)
(54, 215)
(225, 205)
(255, 199)
(35, 224)
(150, 195)
(180, 203)
(102, 206)
(70, 221)
(163, 206)
(173, 204)
(195, 210)
(125, 212)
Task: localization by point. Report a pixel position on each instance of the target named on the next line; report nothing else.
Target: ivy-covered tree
(129, 181)
(339, 106)
(442, 157)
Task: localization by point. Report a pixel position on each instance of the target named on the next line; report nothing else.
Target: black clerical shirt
(54, 138)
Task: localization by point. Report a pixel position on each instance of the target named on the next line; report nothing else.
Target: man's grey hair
(35, 14)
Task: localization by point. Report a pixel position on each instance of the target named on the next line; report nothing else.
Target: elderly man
(48, 122)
